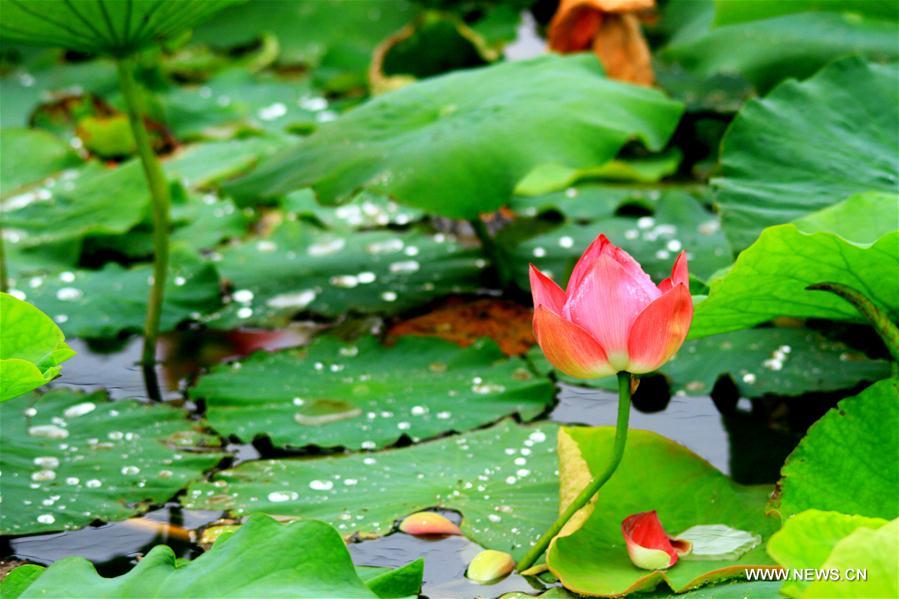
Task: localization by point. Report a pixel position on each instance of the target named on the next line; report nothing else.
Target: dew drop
(326, 247)
(404, 266)
(282, 496)
(69, 294)
(242, 296)
(272, 112)
(43, 475)
(80, 409)
(321, 485)
(48, 431)
(299, 299)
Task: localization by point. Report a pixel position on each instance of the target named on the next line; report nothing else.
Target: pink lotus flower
(611, 317)
(648, 545)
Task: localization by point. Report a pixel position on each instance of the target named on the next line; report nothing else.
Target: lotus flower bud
(611, 317)
(490, 566)
(427, 524)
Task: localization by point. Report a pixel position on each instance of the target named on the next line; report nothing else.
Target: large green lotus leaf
(549, 178)
(728, 12)
(91, 200)
(772, 46)
(862, 218)
(481, 129)
(204, 164)
(854, 243)
(238, 100)
(70, 458)
(771, 361)
(680, 222)
(502, 479)
(300, 268)
(821, 474)
(655, 474)
(865, 551)
(264, 558)
(29, 86)
(31, 155)
(337, 34)
(791, 153)
(98, 201)
(101, 26)
(362, 395)
(365, 211)
(726, 590)
(399, 583)
(199, 221)
(202, 221)
(31, 348)
(589, 201)
(50, 257)
(102, 303)
(807, 538)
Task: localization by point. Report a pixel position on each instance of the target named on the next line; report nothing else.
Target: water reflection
(695, 422)
(116, 547)
(691, 421)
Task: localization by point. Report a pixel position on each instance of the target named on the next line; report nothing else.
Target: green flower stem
(4, 279)
(624, 410)
(487, 242)
(159, 192)
(876, 315)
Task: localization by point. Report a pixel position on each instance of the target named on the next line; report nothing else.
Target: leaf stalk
(584, 497)
(159, 193)
(873, 313)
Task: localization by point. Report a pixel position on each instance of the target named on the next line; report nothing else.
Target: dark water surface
(114, 548)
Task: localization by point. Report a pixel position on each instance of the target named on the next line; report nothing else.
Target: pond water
(114, 548)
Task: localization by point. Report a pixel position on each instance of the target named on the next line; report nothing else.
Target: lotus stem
(488, 244)
(874, 314)
(159, 193)
(4, 277)
(624, 410)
